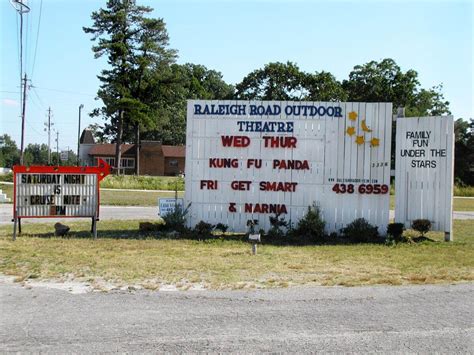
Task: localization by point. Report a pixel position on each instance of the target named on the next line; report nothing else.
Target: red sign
(57, 191)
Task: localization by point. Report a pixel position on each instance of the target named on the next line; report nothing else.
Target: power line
(37, 38)
(11, 92)
(18, 44)
(39, 98)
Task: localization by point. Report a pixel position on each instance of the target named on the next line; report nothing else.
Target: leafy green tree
(276, 81)
(286, 82)
(464, 151)
(36, 154)
(323, 86)
(381, 81)
(429, 102)
(384, 81)
(9, 153)
(136, 48)
(175, 87)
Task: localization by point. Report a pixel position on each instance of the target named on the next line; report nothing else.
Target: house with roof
(154, 158)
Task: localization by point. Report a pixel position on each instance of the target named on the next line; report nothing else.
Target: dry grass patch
(117, 259)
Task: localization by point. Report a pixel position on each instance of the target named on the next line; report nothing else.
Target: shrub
(222, 227)
(422, 226)
(311, 226)
(276, 230)
(176, 220)
(360, 231)
(202, 230)
(395, 232)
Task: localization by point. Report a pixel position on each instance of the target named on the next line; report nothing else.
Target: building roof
(108, 149)
(87, 137)
(174, 151)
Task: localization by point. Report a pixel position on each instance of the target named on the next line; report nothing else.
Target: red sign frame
(101, 170)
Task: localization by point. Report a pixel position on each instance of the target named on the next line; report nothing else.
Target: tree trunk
(118, 143)
(137, 150)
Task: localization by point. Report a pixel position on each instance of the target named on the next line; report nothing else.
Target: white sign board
(168, 205)
(251, 159)
(64, 155)
(424, 171)
(56, 194)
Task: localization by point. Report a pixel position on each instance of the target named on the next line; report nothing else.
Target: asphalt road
(132, 212)
(413, 319)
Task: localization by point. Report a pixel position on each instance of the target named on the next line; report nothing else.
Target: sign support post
(15, 221)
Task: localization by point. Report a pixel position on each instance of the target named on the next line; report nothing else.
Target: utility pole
(57, 147)
(48, 129)
(23, 112)
(81, 106)
(21, 8)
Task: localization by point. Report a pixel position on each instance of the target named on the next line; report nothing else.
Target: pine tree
(136, 48)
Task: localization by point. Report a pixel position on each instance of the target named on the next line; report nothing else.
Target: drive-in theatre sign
(248, 160)
(57, 191)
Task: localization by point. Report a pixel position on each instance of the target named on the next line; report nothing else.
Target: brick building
(154, 158)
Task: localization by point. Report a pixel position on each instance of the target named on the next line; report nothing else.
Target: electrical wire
(37, 38)
(18, 44)
(39, 98)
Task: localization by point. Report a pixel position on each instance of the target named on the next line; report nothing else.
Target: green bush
(176, 220)
(221, 227)
(202, 230)
(7, 177)
(278, 227)
(395, 232)
(360, 231)
(310, 228)
(422, 226)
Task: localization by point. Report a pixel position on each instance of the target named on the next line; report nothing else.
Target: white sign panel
(168, 205)
(424, 171)
(251, 159)
(64, 155)
(62, 194)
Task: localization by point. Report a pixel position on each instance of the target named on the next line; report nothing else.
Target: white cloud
(10, 102)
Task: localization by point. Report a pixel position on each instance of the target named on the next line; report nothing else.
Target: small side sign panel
(167, 205)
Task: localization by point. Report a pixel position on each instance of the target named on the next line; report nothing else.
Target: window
(127, 163)
(173, 163)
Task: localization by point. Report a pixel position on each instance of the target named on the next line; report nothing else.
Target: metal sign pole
(15, 221)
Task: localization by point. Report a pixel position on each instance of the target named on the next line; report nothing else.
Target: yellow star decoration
(352, 115)
(351, 131)
(374, 142)
(360, 140)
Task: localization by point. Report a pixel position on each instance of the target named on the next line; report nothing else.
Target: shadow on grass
(135, 234)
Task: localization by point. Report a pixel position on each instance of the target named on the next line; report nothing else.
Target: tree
(464, 151)
(384, 81)
(9, 153)
(175, 87)
(286, 82)
(429, 102)
(36, 154)
(136, 50)
(323, 86)
(276, 81)
(381, 82)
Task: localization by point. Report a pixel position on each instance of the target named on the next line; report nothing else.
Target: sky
(435, 38)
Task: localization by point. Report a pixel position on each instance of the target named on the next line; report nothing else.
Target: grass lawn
(217, 264)
(137, 198)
